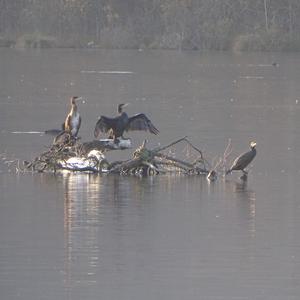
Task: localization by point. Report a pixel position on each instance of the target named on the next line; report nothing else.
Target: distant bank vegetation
(241, 25)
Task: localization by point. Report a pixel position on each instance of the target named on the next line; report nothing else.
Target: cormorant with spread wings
(116, 126)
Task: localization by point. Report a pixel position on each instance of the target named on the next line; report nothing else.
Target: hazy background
(171, 24)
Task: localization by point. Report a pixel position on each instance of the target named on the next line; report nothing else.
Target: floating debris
(252, 77)
(27, 132)
(106, 72)
(212, 175)
(72, 155)
(94, 162)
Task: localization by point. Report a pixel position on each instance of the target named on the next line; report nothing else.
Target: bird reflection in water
(94, 202)
(81, 209)
(247, 199)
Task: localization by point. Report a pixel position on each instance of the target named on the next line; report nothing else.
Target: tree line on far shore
(242, 25)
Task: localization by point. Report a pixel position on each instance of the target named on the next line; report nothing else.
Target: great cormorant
(73, 119)
(242, 161)
(116, 126)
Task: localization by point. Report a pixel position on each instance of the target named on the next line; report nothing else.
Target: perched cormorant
(73, 119)
(242, 161)
(116, 126)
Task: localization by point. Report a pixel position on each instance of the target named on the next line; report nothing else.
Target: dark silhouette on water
(116, 126)
(56, 131)
(242, 161)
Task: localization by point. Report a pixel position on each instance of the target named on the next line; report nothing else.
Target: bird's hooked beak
(79, 99)
(121, 106)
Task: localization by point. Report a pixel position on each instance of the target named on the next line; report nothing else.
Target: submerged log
(72, 155)
(152, 161)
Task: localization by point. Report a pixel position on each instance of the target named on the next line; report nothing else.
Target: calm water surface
(73, 236)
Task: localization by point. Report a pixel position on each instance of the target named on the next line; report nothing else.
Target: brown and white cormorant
(116, 126)
(73, 119)
(242, 161)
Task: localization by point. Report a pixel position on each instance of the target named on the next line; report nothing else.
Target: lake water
(78, 236)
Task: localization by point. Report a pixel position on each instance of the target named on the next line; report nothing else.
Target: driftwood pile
(72, 155)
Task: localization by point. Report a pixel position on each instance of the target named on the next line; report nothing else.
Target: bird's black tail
(53, 131)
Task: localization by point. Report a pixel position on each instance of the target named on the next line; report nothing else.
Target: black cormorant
(242, 161)
(116, 126)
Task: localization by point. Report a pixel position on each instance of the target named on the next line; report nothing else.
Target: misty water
(84, 236)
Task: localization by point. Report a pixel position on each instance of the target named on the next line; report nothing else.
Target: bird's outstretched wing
(141, 122)
(103, 125)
